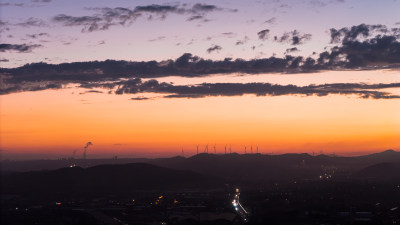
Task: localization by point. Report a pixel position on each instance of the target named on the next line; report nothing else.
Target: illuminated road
(238, 207)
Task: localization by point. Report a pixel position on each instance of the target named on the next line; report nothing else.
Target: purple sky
(65, 31)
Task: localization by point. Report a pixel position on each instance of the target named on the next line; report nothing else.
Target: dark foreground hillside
(281, 189)
(105, 179)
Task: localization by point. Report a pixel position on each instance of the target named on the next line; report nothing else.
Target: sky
(162, 78)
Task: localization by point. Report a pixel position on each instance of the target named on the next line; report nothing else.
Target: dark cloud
(263, 35)
(94, 91)
(162, 9)
(89, 23)
(107, 17)
(363, 46)
(353, 33)
(378, 52)
(200, 8)
(293, 37)
(168, 90)
(18, 47)
(4, 60)
(28, 86)
(140, 98)
(214, 48)
(135, 86)
(289, 50)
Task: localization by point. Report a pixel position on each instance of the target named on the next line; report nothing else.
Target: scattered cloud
(293, 37)
(195, 17)
(290, 50)
(229, 34)
(35, 36)
(214, 48)
(159, 38)
(106, 17)
(32, 22)
(270, 21)
(18, 47)
(263, 35)
(243, 41)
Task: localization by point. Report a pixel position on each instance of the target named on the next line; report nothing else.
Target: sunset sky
(148, 79)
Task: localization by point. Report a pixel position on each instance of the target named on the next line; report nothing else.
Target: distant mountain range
(212, 160)
(200, 171)
(260, 168)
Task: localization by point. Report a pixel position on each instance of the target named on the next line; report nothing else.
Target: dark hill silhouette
(266, 168)
(234, 168)
(380, 171)
(347, 163)
(105, 179)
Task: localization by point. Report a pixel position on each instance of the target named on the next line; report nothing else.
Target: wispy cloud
(106, 17)
(135, 86)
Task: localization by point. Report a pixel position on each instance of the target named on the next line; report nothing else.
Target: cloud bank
(362, 47)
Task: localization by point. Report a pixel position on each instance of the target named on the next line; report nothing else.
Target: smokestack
(85, 148)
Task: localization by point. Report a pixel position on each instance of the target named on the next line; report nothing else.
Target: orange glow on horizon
(57, 122)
